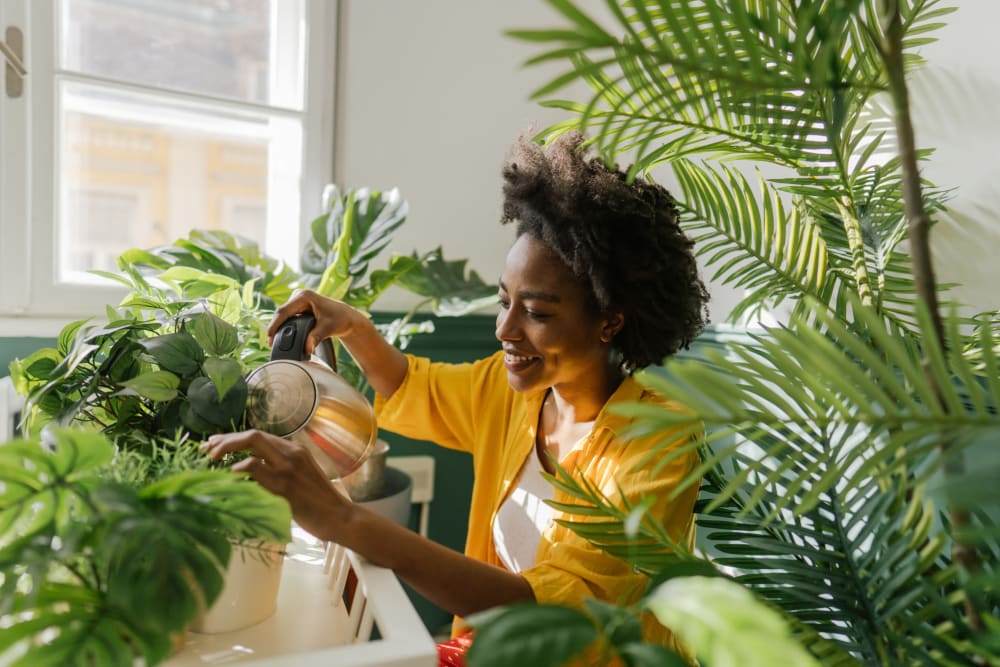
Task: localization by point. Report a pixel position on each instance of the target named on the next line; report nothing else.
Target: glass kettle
(305, 400)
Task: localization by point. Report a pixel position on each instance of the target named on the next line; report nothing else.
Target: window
(140, 120)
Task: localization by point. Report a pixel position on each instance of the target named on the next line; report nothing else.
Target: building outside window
(140, 120)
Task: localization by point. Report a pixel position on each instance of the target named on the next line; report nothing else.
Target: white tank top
(522, 517)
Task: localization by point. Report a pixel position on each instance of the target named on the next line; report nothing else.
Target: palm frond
(762, 84)
(864, 568)
(751, 247)
(817, 381)
(621, 528)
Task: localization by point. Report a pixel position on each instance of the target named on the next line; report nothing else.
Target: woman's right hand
(287, 469)
(382, 364)
(334, 319)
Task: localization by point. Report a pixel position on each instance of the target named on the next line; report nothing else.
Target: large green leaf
(224, 374)
(514, 638)
(355, 229)
(775, 81)
(154, 385)
(724, 624)
(244, 509)
(215, 335)
(39, 486)
(862, 574)
(868, 400)
(364, 296)
(759, 244)
(70, 626)
(223, 412)
(446, 284)
(167, 544)
(178, 352)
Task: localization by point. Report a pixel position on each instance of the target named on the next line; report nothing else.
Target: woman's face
(547, 326)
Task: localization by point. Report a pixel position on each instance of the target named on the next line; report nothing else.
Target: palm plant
(834, 475)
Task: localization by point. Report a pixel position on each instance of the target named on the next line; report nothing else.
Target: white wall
(432, 93)
(955, 98)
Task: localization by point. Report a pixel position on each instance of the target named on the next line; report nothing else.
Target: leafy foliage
(107, 548)
(356, 227)
(510, 635)
(834, 441)
(724, 624)
(85, 558)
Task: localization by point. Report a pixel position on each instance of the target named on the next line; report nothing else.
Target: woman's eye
(504, 303)
(536, 315)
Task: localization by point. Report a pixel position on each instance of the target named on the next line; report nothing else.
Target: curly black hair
(619, 238)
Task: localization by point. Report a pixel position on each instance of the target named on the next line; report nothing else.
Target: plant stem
(923, 271)
(852, 227)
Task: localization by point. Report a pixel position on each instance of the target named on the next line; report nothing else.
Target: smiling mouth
(516, 362)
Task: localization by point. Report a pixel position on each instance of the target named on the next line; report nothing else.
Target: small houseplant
(837, 483)
(106, 561)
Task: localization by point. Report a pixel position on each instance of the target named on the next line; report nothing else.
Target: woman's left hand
(287, 469)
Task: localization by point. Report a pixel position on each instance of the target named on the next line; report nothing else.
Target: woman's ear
(613, 323)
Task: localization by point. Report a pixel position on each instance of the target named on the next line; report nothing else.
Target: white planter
(249, 591)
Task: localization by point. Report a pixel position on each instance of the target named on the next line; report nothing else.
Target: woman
(599, 281)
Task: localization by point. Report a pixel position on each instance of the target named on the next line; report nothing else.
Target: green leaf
(197, 282)
(620, 625)
(364, 296)
(536, 635)
(155, 385)
(69, 334)
(245, 509)
(724, 624)
(446, 284)
(223, 413)
(177, 352)
(224, 373)
(39, 487)
(35, 369)
(355, 229)
(227, 304)
(191, 420)
(215, 335)
(637, 654)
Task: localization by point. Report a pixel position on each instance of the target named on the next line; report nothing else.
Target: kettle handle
(290, 341)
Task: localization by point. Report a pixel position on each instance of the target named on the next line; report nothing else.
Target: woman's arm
(383, 365)
(454, 582)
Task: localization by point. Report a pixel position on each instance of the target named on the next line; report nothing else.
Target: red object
(452, 652)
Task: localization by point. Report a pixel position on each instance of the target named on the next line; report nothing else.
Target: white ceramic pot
(249, 591)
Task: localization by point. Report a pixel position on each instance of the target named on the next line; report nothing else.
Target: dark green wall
(18, 348)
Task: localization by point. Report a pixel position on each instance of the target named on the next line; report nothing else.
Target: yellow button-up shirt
(472, 408)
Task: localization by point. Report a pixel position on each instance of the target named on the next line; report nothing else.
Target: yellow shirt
(472, 408)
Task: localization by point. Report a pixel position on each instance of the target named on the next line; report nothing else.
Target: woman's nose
(506, 329)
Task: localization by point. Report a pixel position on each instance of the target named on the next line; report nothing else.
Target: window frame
(32, 299)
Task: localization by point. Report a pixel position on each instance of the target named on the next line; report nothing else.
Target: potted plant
(836, 486)
(105, 556)
(167, 368)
